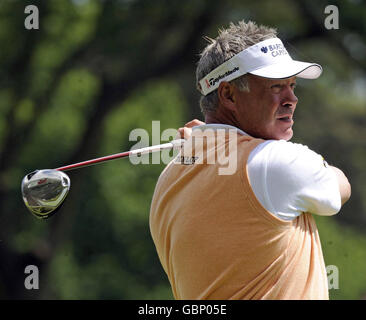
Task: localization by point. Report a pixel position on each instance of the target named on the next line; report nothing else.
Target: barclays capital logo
(264, 49)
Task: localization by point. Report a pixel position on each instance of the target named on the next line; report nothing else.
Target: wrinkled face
(267, 110)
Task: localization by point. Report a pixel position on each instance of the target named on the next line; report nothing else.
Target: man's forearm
(344, 185)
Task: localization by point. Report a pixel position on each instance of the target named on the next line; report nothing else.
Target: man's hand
(344, 185)
(186, 131)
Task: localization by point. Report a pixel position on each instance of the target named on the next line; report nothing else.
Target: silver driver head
(44, 191)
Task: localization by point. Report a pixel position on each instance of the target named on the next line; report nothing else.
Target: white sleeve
(289, 179)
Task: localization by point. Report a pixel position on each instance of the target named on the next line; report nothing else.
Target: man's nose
(289, 97)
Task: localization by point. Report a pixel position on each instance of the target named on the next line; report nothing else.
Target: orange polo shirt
(216, 241)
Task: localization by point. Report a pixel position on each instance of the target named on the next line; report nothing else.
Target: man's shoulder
(284, 148)
(284, 153)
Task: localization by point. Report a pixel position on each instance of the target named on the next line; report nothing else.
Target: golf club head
(44, 191)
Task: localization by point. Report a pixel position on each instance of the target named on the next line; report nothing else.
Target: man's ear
(226, 95)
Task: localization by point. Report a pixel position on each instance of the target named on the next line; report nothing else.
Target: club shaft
(175, 144)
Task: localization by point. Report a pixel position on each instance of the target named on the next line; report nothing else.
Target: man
(249, 234)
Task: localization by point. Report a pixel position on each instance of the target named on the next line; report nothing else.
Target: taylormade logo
(213, 81)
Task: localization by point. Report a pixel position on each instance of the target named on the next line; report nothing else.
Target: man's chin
(287, 135)
(274, 134)
(282, 129)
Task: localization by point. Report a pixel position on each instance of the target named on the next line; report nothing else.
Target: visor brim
(288, 69)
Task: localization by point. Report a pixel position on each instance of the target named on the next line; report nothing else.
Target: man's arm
(344, 185)
(289, 179)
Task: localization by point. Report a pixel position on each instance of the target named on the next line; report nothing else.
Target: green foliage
(344, 248)
(115, 257)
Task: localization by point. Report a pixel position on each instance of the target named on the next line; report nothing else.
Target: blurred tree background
(94, 71)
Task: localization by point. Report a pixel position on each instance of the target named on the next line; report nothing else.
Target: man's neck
(222, 118)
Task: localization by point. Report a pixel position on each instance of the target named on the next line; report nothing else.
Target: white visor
(268, 59)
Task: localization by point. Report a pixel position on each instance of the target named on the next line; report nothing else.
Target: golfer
(247, 234)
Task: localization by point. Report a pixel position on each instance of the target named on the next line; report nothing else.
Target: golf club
(44, 191)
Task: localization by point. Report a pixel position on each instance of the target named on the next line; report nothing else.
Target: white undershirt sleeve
(289, 179)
